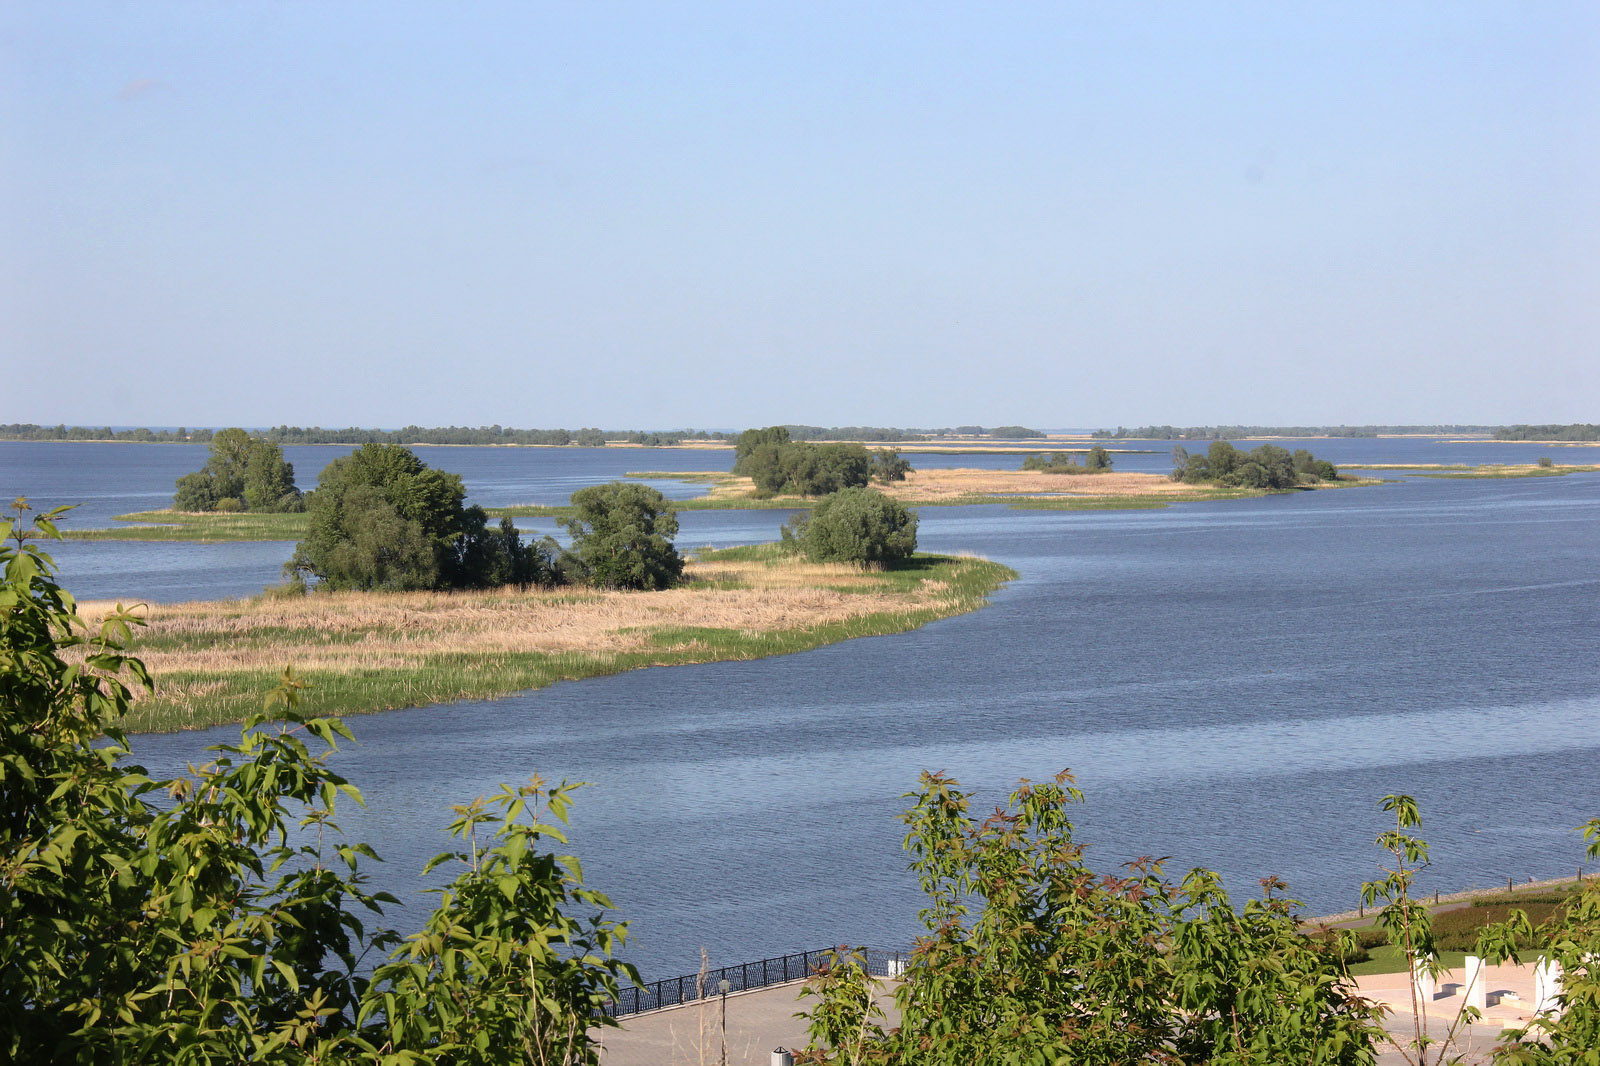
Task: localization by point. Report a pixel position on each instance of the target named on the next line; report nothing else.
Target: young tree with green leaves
(220, 918)
(1030, 956)
(888, 465)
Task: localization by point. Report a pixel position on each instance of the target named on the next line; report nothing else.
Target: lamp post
(723, 986)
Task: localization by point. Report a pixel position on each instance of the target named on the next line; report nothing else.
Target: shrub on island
(622, 537)
(855, 525)
(1097, 461)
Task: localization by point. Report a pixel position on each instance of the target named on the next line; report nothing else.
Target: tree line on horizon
(1575, 431)
(1235, 432)
(589, 437)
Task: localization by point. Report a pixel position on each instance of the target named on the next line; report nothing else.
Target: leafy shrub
(191, 929)
(779, 465)
(1457, 930)
(1097, 461)
(888, 465)
(1030, 956)
(622, 537)
(855, 525)
(1266, 467)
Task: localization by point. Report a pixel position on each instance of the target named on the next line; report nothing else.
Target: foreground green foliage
(1030, 956)
(243, 473)
(220, 918)
(855, 525)
(380, 518)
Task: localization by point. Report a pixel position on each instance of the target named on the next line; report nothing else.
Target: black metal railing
(675, 991)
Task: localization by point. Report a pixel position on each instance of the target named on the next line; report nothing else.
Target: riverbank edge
(949, 585)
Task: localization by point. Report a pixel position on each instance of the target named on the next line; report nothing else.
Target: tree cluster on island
(780, 465)
(382, 519)
(222, 917)
(243, 473)
(1096, 461)
(1266, 467)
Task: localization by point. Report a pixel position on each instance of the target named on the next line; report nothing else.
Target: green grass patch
(200, 528)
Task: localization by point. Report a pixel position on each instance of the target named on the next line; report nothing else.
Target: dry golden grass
(935, 486)
(204, 648)
(961, 483)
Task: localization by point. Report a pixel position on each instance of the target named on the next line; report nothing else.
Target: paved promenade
(760, 1021)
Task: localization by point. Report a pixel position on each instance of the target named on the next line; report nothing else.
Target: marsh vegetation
(371, 651)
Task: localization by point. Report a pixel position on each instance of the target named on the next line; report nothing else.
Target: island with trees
(243, 473)
(1095, 461)
(1268, 467)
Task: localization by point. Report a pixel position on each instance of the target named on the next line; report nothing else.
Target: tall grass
(375, 651)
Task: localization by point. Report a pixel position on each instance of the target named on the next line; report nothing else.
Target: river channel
(1236, 685)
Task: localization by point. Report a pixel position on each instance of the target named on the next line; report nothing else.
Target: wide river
(1236, 685)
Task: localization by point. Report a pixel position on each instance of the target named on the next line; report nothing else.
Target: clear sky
(920, 214)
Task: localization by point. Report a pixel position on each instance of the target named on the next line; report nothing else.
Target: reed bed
(363, 651)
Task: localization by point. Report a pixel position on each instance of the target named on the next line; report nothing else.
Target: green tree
(779, 465)
(269, 480)
(1029, 956)
(242, 472)
(888, 465)
(380, 518)
(622, 537)
(1097, 459)
(751, 439)
(192, 930)
(1267, 467)
(855, 525)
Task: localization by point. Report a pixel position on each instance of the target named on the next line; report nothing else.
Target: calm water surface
(1236, 684)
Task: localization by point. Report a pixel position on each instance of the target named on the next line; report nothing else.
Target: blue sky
(926, 214)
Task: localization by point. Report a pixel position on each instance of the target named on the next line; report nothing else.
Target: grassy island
(367, 651)
(1021, 489)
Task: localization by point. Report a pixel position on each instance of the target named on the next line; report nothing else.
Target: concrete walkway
(759, 1022)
